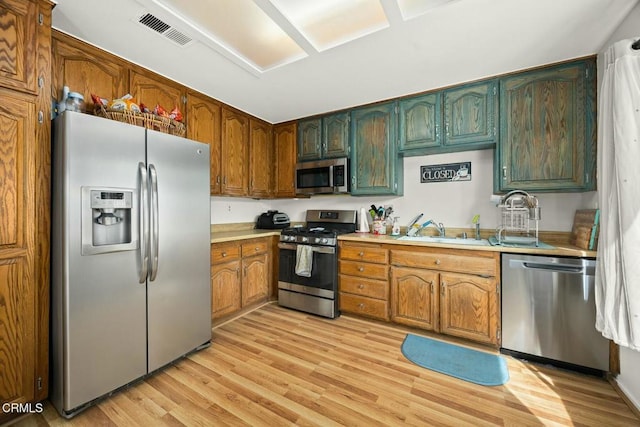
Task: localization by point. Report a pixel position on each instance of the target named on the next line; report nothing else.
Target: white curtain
(618, 260)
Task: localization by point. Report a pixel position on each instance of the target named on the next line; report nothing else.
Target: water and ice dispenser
(109, 220)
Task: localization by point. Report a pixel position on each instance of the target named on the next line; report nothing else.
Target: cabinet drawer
(255, 247)
(364, 306)
(364, 269)
(225, 252)
(367, 287)
(470, 264)
(364, 253)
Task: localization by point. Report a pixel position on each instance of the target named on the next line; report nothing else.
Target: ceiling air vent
(158, 25)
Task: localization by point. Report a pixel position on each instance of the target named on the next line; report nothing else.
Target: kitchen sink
(447, 240)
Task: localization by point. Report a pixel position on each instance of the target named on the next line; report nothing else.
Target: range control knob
(305, 239)
(317, 240)
(325, 240)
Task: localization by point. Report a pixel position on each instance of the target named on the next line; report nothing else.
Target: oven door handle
(319, 249)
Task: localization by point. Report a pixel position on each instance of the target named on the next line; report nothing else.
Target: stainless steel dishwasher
(549, 314)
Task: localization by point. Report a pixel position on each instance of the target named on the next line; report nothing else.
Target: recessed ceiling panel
(412, 8)
(242, 28)
(329, 23)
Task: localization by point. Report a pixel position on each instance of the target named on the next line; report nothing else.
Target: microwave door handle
(331, 177)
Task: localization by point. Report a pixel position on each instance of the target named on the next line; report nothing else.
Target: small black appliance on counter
(272, 220)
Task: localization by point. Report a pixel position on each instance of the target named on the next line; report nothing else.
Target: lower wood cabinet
(449, 291)
(454, 292)
(240, 275)
(364, 280)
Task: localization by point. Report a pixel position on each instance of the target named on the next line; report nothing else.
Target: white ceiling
(457, 41)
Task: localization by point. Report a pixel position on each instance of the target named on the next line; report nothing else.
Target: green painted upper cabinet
(323, 138)
(420, 122)
(548, 129)
(335, 135)
(470, 115)
(309, 139)
(376, 168)
(456, 119)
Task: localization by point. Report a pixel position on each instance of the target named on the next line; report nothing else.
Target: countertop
(559, 249)
(228, 236)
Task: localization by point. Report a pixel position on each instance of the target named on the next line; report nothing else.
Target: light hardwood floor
(275, 367)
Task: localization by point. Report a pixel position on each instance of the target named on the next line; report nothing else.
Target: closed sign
(446, 172)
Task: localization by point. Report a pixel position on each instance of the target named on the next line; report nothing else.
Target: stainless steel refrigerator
(130, 254)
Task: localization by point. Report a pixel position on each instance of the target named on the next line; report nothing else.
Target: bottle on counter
(395, 228)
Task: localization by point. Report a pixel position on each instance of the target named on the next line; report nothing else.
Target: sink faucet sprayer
(417, 228)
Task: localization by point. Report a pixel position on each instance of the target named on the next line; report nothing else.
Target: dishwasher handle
(552, 267)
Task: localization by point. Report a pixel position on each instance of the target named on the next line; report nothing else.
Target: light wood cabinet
(203, 125)
(364, 280)
(548, 129)
(469, 307)
(284, 140)
(240, 275)
(226, 294)
(25, 78)
(235, 152)
(87, 70)
(455, 292)
(256, 270)
(415, 297)
(18, 46)
(152, 89)
(260, 158)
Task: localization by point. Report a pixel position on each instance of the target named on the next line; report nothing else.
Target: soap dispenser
(395, 229)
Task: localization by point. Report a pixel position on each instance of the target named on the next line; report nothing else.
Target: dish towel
(304, 260)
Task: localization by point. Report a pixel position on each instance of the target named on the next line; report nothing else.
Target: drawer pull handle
(224, 254)
(437, 262)
(361, 306)
(257, 249)
(361, 269)
(361, 254)
(360, 286)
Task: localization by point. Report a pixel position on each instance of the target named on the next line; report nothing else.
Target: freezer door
(179, 286)
(98, 305)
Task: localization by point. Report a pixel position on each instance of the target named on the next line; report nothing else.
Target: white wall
(452, 203)
(629, 378)
(226, 210)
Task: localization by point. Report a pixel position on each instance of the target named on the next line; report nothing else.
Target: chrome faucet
(440, 228)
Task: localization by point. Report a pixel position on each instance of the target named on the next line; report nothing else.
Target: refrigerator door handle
(155, 227)
(144, 223)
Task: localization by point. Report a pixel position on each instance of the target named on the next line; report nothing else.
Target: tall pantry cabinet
(25, 63)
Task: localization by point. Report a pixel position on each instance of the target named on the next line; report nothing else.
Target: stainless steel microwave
(329, 176)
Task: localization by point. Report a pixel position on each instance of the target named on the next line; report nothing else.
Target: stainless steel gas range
(308, 275)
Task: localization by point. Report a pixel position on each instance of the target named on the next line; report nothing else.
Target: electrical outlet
(228, 208)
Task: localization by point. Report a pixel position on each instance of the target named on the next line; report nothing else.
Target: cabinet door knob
(257, 249)
(360, 286)
(224, 254)
(437, 261)
(360, 269)
(361, 254)
(361, 305)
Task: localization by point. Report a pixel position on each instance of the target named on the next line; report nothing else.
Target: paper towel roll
(363, 226)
